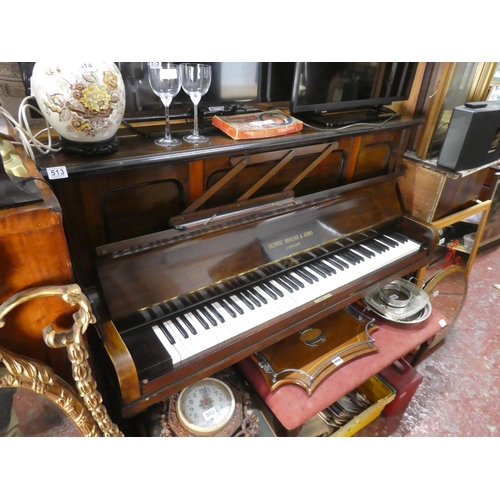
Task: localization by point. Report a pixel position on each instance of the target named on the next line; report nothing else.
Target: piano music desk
(291, 404)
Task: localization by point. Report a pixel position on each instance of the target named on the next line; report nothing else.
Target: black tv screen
(320, 87)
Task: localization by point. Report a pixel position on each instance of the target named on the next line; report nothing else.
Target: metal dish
(415, 311)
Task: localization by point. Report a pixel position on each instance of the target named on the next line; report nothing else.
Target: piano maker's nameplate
(292, 241)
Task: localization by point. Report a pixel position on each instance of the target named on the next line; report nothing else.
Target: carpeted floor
(460, 391)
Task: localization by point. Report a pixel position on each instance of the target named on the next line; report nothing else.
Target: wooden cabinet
(33, 253)
(430, 192)
(448, 199)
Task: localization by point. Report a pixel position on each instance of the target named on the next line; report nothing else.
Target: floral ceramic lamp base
(83, 102)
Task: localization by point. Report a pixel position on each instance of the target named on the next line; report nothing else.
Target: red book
(257, 125)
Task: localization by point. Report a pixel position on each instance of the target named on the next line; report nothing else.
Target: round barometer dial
(206, 407)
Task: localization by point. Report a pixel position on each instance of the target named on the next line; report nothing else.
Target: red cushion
(293, 406)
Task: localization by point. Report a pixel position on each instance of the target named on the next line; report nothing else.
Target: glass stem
(195, 133)
(167, 124)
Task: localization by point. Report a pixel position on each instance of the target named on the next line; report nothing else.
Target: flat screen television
(339, 93)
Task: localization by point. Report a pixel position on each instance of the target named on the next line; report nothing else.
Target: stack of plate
(400, 301)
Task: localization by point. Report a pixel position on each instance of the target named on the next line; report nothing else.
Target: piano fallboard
(161, 292)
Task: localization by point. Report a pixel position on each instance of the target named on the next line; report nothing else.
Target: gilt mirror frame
(20, 372)
(86, 411)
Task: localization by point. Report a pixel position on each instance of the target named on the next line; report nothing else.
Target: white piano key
(206, 337)
(191, 345)
(232, 326)
(171, 350)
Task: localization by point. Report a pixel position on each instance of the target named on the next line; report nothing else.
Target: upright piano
(179, 305)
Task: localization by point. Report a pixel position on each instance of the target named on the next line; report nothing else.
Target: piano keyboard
(190, 325)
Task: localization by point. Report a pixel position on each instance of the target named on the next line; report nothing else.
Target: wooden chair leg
(418, 356)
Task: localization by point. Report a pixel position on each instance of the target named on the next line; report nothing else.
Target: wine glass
(133, 73)
(165, 80)
(196, 79)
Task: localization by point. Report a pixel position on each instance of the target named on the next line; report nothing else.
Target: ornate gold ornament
(25, 372)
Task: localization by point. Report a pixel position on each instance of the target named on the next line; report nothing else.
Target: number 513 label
(57, 172)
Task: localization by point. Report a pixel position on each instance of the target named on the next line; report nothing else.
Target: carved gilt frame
(28, 373)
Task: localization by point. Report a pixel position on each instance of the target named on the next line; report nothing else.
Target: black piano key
(188, 324)
(252, 297)
(325, 267)
(201, 319)
(335, 262)
(333, 266)
(392, 239)
(259, 295)
(305, 276)
(380, 242)
(358, 258)
(286, 279)
(357, 255)
(216, 313)
(269, 291)
(316, 269)
(276, 290)
(340, 262)
(295, 280)
(375, 246)
(349, 259)
(384, 246)
(367, 253)
(398, 236)
(283, 284)
(180, 328)
(236, 307)
(167, 334)
(206, 314)
(245, 301)
(309, 274)
(388, 241)
(227, 308)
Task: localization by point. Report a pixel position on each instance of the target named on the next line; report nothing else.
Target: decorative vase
(83, 102)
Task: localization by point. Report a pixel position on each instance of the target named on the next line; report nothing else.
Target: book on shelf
(257, 125)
